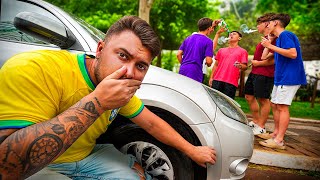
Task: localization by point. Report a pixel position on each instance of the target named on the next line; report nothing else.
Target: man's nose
(130, 71)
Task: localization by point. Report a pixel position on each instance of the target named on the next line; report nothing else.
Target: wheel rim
(153, 160)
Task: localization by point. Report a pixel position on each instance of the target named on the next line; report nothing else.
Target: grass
(297, 109)
(292, 171)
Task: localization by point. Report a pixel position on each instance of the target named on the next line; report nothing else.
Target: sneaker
(265, 136)
(272, 144)
(252, 124)
(258, 130)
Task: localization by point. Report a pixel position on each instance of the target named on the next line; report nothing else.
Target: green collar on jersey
(84, 71)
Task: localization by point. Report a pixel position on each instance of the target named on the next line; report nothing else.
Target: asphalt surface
(302, 146)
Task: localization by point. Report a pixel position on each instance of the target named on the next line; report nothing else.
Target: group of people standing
(277, 70)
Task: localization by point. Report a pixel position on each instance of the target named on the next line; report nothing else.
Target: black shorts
(225, 88)
(259, 86)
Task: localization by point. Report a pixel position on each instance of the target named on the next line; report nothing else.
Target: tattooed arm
(25, 151)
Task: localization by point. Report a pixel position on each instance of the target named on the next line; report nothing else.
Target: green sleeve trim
(83, 69)
(137, 112)
(14, 124)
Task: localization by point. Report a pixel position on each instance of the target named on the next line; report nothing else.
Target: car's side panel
(12, 48)
(236, 140)
(189, 112)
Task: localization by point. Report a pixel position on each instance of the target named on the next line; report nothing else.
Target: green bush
(169, 60)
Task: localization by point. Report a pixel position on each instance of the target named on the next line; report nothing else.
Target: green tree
(99, 13)
(304, 14)
(173, 20)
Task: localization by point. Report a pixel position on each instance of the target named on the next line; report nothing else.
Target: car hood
(187, 87)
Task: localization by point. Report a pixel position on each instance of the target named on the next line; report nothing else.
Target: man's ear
(239, 38)
(99, 48)
(100, 45)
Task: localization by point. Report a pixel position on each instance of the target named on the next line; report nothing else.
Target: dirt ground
(262, 172)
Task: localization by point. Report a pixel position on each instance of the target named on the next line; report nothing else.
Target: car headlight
(228, 106)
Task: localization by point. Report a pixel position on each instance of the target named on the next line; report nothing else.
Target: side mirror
(45, 29)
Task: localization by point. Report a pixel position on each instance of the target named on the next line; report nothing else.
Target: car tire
(159, 160)
(134, 140)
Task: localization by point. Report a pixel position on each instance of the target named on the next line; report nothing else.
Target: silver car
(200, 114)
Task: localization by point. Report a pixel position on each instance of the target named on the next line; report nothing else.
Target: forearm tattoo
(26, 151)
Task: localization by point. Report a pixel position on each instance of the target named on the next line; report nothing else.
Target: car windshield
(95, 33)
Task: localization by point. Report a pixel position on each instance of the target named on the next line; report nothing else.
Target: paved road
(302, 147)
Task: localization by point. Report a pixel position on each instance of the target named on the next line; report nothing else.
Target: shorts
(225, 88)
(259, 86)
(283, 94)
(104, 162)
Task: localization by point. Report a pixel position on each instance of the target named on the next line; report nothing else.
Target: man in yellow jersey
(55, 104)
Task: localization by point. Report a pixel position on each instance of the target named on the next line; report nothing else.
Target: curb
(285, 160)
(293, 119)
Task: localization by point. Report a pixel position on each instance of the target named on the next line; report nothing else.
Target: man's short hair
(140, 28)
(240, 35)
(264, 18)
(204, 23)
(283, 18)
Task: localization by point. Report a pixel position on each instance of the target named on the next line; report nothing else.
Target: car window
(10, 33)
(96, 34)
(9, 9)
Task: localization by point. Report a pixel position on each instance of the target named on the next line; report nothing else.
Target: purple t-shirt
(195, 48)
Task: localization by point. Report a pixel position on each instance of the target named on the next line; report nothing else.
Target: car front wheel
(157, 159)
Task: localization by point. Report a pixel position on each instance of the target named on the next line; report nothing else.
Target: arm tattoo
(26, 151)
(43, 149)
(90, 107)
(95, 98)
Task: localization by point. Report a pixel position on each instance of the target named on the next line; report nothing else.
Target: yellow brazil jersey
(37, 86)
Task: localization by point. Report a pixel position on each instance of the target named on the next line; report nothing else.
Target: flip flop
(272, 144)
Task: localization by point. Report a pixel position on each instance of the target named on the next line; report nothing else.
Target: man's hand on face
(265, 42)
(114, 91)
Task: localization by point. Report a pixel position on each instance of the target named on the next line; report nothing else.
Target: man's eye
(122, 55)
(141, 67)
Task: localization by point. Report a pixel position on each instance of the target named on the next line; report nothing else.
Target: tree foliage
(304, 14)
(174, 20)
(99, 13)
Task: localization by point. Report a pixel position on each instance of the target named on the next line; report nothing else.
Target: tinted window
(9, 9)
(10, 33)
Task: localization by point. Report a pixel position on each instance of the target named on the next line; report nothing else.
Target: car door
(13, 40)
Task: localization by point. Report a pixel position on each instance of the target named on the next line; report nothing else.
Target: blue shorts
(105, 162)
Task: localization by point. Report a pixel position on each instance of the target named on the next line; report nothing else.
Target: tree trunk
(144, 9)
(159, 60)
(314, 95)
(241, 87)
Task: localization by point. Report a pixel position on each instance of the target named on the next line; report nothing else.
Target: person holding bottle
(289, 76)
(195, 48)
(229, 62)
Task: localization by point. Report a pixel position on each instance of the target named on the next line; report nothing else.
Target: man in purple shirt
(195, 48)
